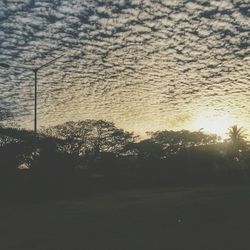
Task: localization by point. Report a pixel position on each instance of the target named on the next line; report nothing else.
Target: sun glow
(217, 125)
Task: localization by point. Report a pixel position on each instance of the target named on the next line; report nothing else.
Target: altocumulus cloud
(144, 64)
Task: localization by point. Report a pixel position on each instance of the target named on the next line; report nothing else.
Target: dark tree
(148, 149)
(90, 137)
(237, 135)
(237, 141)
(173, 141)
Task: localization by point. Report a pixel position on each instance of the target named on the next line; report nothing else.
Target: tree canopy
(237, 135)
(174, 141)
(91, 137)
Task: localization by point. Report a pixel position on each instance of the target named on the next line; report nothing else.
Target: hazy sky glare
(144, 64)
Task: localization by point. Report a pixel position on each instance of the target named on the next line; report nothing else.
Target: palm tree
(236, 135)
(237, 138)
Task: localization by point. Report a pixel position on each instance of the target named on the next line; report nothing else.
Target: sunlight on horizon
(214, 124)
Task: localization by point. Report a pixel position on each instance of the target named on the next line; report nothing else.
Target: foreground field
(213, 218)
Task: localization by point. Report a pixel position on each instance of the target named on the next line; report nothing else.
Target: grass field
(208, 218)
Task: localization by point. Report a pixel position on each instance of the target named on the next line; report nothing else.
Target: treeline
(82, 157)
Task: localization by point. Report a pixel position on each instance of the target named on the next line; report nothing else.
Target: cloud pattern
(144, 64)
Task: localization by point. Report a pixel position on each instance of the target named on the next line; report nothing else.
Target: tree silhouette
(90, 137)
(173, 141)
(5, 114)
(237, 139)
(148, 149)
(24, 145)
(237, 135)
(6, 117)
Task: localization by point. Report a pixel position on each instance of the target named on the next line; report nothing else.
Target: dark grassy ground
(213, 218)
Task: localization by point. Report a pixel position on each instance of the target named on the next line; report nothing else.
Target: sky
(145, 65)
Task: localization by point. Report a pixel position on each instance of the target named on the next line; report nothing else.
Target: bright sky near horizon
(144, 64)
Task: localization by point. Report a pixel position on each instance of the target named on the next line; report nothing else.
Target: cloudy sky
(144, 64)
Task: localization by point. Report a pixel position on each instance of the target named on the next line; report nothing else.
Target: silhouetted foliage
(5, 114)
(148, 149)
(81, 157)
(237, 142)
(173, 141)
(90, 137)
(236, 135)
